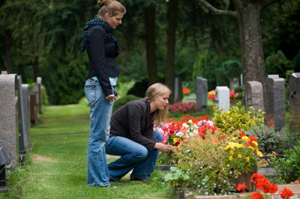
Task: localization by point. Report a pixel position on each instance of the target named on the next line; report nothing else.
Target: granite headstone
(8, 121)
(275, 106)
(294, 95)
(254, 95)
(201, 94)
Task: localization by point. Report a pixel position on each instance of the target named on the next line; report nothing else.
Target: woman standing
(102, 50)
(132, 136)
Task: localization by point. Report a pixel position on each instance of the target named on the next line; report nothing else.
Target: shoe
(137, 179)
(111, 186)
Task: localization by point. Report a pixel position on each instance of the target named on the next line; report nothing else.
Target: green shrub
(277, 63)
(268, 139)
(296, 64)
(237, 118)
(140, 87)
(120, 102)
(288, 167)
(238, 89)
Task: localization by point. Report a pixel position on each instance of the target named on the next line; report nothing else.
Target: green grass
(56, 166)
(63, 119)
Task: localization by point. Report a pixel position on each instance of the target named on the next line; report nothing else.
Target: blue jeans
(133, 156)
(100, 114)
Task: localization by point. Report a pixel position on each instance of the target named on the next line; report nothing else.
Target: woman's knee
(158, 136)
(140, 153)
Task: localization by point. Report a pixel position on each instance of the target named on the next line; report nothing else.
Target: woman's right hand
(163, 147)
(111, 97)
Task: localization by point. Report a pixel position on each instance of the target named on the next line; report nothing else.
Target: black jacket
(102, 52)
(134, 121)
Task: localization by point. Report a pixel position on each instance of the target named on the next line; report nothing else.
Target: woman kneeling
(132, 136)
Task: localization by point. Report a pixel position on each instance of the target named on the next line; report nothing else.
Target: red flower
(241, 187)
(186, 91)
(286, 193)
(255, 178)
(270, 188)
(256, 195)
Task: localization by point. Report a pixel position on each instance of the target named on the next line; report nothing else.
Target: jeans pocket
(90, 93)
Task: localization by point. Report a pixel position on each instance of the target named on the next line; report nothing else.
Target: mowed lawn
(56, 167)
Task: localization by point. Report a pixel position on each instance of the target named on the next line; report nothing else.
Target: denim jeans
(133, 156)
(100, 114)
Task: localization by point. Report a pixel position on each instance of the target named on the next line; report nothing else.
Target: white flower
(190, 122)
(185, 125)
(179, 134)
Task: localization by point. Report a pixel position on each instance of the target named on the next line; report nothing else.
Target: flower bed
(207, 158)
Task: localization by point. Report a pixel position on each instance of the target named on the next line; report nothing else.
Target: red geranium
(286, 193)
(241, 187)
(256, 195)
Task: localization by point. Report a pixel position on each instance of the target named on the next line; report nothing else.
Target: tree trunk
(35, 65)
(8, 60)
(170, 68)
(150, 45)
(253, 67)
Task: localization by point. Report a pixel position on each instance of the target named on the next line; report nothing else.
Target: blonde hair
(153, 92)
(113, 8)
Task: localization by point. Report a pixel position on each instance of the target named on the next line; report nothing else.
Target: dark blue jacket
(102, 52)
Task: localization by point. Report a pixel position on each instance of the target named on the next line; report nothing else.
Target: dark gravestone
(33, 119)
(294, 94)
(254, 96)
(21, 122)
(177, 89)
(275, 94)
(5, 158)
(25, 92)
(8, 121)
(201, 93)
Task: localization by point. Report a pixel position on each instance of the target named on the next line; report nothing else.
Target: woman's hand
(163, 147)
(111, 97)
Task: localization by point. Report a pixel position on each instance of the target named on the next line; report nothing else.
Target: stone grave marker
(294, 95)
(275, 96)
(4, 159)
(25, 92)
(201, 94)
(177, 89)
(222, 98)
(254, 95)
(39, 83)
(21, 122)
(33, 112)
(8, 120)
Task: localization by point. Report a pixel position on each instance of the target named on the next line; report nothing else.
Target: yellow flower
(248, 159)
(250, 147)
(235, 138)
(230, 157)
(254, 143)
(239, 155)
(239, 146)
(175, 140)
(232, 152)
(245, 138)
(226, 148)
(259, 153)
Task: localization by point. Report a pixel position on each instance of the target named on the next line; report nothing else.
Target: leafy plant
(121, 101)
(176, 177)
(288, 167)
(237, 118)
(268, 138)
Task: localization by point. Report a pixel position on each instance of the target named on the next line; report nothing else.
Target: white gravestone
(222, 98)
